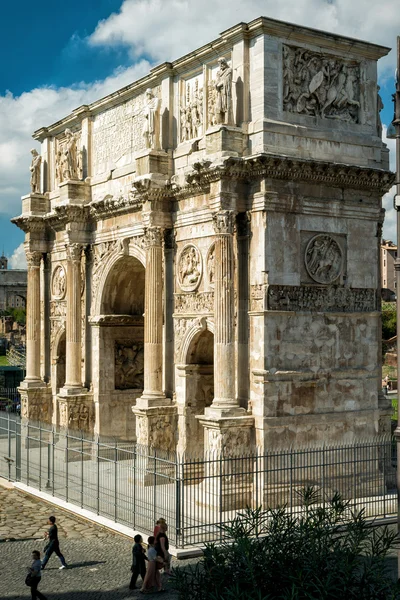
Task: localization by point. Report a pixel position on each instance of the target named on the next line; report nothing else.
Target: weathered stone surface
(211, 242)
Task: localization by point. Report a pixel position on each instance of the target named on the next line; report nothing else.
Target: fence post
(27, 455)
(115, 479)
(48, 484)
(134, 486)
(98, 474)
(81, 469)
(17, 450)
(66, 466)
(9, 446)
(177, 501)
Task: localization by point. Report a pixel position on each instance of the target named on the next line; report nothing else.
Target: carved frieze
(192, 112)
(190, 267)
(129, 365)
(320, 85)
(194, 303)
(323, 259)
(59, 283)
(181, 326)
(58, 308)
(313, 298)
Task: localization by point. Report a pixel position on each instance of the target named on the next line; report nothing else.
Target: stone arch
(118, 344)
(58, 359)
(127, 249)
(195, 377)
(201, 324)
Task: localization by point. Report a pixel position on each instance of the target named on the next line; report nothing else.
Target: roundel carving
(189, 268)
(59, 283)
(323, 259)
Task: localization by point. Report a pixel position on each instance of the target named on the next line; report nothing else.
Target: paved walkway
(99, 560)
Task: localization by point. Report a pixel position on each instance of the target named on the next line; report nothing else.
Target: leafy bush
(329, 552)
(389, 320)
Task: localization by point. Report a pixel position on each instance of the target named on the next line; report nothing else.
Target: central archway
(120, 348)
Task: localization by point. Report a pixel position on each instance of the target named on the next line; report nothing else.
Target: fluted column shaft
(33, 317)
(153, 315)
(224, 342)
(73, 378)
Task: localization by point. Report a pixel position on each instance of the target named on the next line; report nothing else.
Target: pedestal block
(225, 138)
(36, 408)
(228, 443)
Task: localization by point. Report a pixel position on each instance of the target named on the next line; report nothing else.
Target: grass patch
(394, 406)
(4, 361)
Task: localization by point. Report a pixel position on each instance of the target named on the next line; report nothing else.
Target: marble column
(153, 317)
(224, 336)
(33, 318)
(73, 376)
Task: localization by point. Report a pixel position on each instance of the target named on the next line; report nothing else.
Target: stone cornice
(29, 223)
(67, 213)
(110, 206)
(263, 166)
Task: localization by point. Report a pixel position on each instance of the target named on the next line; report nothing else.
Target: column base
(71, 390)
(28, 384)
(148, 400)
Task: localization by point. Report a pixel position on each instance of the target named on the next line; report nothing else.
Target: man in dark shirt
(53, 544)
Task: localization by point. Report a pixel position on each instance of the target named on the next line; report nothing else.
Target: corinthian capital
(33, 258)
(153, 236)
(74, 252)
(223, 221)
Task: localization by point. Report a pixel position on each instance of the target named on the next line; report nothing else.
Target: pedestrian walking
(53, 545)
(138, 561)
(34, 576)
(157, 527)
(162, 546)
(153, 577)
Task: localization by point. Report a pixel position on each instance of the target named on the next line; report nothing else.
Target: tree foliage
(389, 320)
(330, 552)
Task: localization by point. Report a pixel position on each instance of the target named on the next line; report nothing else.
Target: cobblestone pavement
(99, 560)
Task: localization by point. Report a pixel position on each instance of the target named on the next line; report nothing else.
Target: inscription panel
(117, 133)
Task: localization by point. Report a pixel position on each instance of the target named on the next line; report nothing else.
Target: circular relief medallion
(59, 283)
(323, 259)
(189, 268)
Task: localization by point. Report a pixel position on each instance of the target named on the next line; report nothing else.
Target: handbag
(159, 562)
(29, 580)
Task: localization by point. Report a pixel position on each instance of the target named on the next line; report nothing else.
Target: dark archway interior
(124, 289)
(60, 362)
(201, 351)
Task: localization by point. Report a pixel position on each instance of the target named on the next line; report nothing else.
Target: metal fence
(10, 400)
(135, 485)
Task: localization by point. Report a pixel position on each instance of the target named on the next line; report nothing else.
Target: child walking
(138, 561)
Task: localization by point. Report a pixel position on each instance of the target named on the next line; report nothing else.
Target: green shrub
(330, 552)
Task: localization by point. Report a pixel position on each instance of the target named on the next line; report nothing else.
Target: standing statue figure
(35, 171)
(379, 106)
(70, 162)
(151, 123)
(223, 85)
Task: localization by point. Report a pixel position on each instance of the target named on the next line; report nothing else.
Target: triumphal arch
(203, 250)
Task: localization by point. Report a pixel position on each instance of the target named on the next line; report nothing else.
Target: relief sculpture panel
(129, 365)
(323, 259)
(319, 85)
(189, 268)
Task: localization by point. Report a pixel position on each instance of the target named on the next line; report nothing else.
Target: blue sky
(59, 55)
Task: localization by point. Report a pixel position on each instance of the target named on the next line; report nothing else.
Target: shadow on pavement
(88, 563)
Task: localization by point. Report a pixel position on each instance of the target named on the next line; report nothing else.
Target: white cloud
(20, 116)
(167, 29)
(389, 226)
(18, 258)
